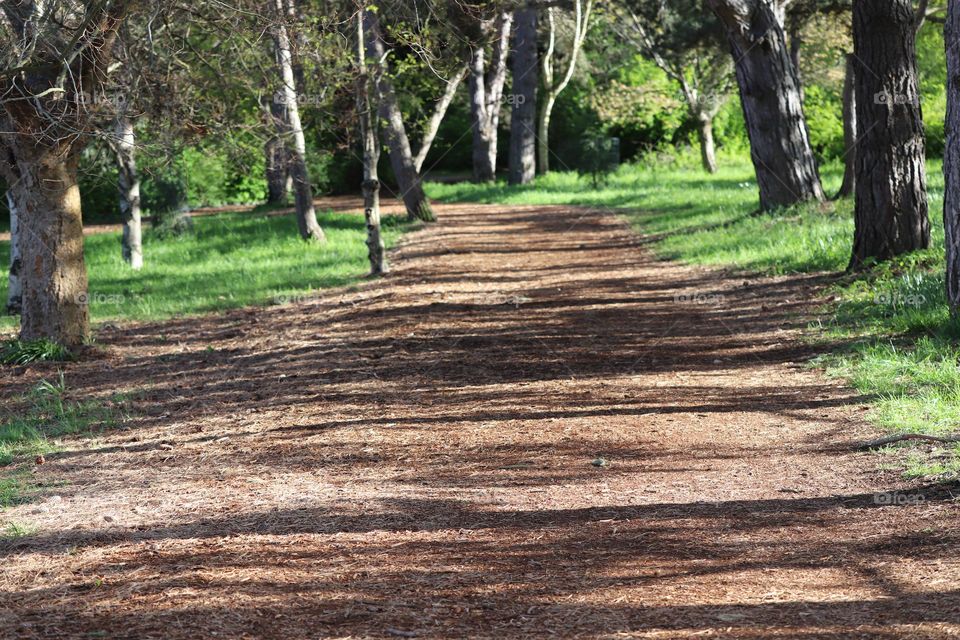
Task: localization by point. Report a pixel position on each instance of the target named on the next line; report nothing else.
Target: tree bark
(376, 251)
(486, 94)
(772, 107)
(436, 119)
(50, 229)
(891, 196)
(128, 185)
(395, 133)
(523, 120)
(279, 182)
(14, 290)
(849, 130)
(293, 132)
(951, 160)
(582, 10)
(708, 154)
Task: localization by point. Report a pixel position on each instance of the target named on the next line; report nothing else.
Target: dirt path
(413, 458)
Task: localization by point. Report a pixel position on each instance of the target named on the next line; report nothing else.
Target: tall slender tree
(552, 88)
(891, 196)
(772, 108)
(486, 93)
(395, 133)
(376, 251)
(687, 44)
(292, 131)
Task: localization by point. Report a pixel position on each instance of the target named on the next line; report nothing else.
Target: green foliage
(902, 347)
(229, 260)
(824, 111)
(17, 352)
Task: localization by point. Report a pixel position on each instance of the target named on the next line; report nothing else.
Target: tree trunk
(395, 133)
(772, 107)
(523, 121)
(433, 126)
(891, 197)
(708, 154)
(376, 251)
(279, 182)
(128, 185)
(486, 94)
(849, 130)
(484, 140)
(293, 132)
(951, 160)
(54, 277)
(14, 291)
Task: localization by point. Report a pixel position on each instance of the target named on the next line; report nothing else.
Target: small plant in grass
(15, 530)
(20, 352)
(16, 487)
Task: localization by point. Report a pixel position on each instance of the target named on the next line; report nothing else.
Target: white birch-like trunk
(582, 11)
(128, 185)
(395, 133)
(486, 94)
(293, 132)
(376, 250)
(436, 119)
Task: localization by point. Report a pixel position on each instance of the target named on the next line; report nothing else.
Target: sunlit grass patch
(227, 261)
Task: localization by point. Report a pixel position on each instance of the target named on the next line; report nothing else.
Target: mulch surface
(531, 428)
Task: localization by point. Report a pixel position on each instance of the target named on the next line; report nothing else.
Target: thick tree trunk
(772, 106)
(128, 185)
(951, 160)
(293, 133)
(54, 275)
(395, 133)
(486, 94)
(708, 153)
(523, 121)
(849, 130)
(433, 126)
(891, 196)
(376, 250)
(14, 290)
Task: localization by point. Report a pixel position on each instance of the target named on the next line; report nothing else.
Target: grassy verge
(902, 347)
(229, 260)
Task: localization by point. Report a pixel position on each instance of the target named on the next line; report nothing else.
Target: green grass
(24, 352)
(15, 531)
(229, 260)
(902, 345)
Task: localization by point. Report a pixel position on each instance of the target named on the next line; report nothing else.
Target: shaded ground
(412, 458)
